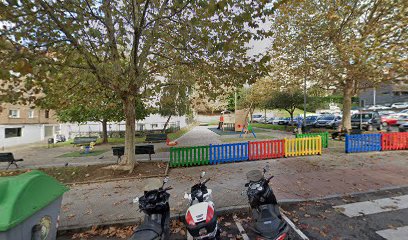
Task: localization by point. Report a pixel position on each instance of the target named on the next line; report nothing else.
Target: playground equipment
(229, 122)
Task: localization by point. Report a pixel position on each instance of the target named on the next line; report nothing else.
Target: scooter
(267, 220)
(155, 205)
(201, 218)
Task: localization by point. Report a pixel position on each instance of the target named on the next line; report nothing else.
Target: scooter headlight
(260, 188)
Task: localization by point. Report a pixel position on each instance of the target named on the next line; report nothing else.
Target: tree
(174, 97)
(286, 100)
(128, 45)
(345, 45)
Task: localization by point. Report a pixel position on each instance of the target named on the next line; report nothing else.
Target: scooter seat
(147, 231)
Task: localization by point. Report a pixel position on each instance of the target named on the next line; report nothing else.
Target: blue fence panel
(229, 152)
(363, 143)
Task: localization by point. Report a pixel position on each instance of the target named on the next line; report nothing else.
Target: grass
(273, 127)
(81, 154)
(181, 132)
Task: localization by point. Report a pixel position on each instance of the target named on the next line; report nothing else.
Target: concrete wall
(152, 122)
(30, 133)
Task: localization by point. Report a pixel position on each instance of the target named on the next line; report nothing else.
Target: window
(12, 132)
(14, 113)
(47, 113)
(31, 113)
(155, 125)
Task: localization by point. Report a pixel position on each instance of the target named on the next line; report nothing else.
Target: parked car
(328, 121)
(378, 107)
(389, 120)
(386, 112)
(270, 120)
(258, 118)
(311, 120)
(402, 119)
(403, 127)
(368, 121)
(404, 111)
(284, 121)
(400, 105)
(276, 120)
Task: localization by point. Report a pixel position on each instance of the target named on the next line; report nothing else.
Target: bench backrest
(156, 137)
(5, 157)
(144, 149)
(84, 139)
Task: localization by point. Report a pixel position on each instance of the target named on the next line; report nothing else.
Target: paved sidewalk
(198, 136)
(295, 178)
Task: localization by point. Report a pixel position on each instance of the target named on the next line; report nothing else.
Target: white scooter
(201, 218)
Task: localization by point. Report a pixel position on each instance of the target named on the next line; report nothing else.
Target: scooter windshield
(254, 176)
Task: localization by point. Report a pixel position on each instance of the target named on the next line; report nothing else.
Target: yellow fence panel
(303, 146)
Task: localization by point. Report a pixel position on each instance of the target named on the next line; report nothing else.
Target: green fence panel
(189, 156)
(323, 135)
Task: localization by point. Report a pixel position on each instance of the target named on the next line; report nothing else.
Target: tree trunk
(130, 116)
(104, 131)
(165, 125)
(347, 94)
(265, 115)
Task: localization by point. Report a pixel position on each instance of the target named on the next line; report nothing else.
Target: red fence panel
(266, 149)
(394, 141)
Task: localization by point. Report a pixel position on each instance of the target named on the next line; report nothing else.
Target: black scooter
(156, 224)
(267, 220)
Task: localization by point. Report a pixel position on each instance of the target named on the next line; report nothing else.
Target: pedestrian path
(380, 206)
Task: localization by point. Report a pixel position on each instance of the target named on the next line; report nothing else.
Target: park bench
(156, 137)
(9, 157)
(84, 140)
(141, 149)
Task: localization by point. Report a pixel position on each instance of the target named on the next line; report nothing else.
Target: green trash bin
(29, 206)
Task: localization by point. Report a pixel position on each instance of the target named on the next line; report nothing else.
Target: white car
(378, 107)
(402, 119)
(404, 111)
(258, 118)
(400, 105)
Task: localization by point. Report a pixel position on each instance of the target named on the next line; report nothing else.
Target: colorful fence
(229, 152)
(189, 156)
(363, 142)
(266, 149)
(323, 135)
(303, 146)
(394, 141)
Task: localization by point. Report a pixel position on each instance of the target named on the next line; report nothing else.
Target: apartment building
(22, 124)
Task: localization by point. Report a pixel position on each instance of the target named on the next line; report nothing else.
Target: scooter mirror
(202, 174)
(166, 179)
(266, 168)
(135, 200)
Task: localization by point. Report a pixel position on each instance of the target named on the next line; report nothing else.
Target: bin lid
(23, 195)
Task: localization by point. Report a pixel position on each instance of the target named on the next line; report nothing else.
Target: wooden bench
(9, 157)
(141, 149)
(84, 140)
(156, 137)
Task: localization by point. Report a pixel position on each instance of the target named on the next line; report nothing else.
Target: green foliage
(286, 100)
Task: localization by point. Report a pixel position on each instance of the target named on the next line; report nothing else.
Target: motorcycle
(268, 222)
(201, 218)
(155, 205)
